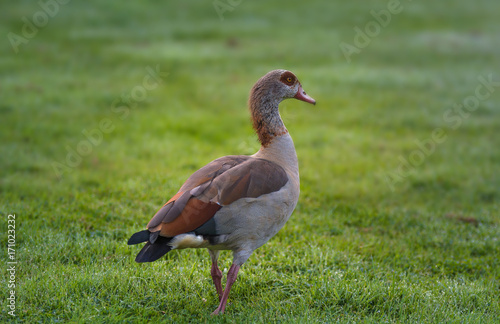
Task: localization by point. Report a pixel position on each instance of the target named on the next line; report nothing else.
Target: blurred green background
(391, 226)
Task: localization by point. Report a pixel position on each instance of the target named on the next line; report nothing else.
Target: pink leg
(231, 278)
(216, 278)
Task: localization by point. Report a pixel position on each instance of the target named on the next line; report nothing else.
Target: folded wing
(214, 186)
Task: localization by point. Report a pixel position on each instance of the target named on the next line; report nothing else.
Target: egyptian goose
(236, 202)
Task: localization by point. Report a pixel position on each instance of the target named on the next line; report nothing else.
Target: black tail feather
(153, 251)
(139, 237)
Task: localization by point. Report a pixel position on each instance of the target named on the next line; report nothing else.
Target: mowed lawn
(107, 107)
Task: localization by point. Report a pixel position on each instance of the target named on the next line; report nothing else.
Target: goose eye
(288, 78)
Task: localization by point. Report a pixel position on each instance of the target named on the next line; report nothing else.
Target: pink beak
(301, 95)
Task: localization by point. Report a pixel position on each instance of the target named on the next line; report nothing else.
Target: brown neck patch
(266, 131)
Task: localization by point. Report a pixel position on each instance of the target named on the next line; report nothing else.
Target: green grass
(358, 248)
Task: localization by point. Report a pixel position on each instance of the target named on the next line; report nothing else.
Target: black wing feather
(153, 251)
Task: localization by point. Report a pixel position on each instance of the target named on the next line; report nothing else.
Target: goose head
(276, 86)
(265, 98)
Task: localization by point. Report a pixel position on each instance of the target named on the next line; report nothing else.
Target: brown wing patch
(213, 170)
(194, 214)
(250, 179)
(238, 189)
(219, 183)
(177, 195)
(201, 179)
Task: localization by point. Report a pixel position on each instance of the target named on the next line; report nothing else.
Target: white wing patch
(184, 241)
